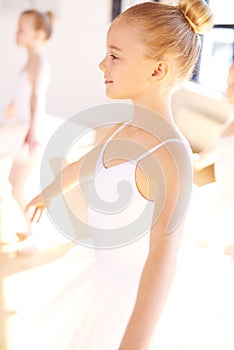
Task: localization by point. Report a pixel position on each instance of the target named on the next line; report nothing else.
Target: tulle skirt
(73, 305)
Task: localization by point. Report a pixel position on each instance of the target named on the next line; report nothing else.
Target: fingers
(36, 211)
(34, 215)
(32, 147)
(29, 205)
(39, 218)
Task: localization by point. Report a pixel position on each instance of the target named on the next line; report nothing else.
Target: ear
(40, 35)
(161, 71)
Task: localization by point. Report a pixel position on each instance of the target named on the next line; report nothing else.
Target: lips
(107, 81)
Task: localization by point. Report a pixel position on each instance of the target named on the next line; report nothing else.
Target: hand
(31, 140)
(10, 111)
(39, 205)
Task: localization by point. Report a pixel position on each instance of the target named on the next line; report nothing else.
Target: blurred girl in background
(27, 110)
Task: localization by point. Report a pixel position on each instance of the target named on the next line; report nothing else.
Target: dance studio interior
(201, 108)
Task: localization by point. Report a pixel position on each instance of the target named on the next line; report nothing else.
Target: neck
(34, 50)
(160, 104)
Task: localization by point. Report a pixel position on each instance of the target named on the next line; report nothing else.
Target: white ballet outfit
(88, 295)
(93, 291)
(23, 92)
(12, 132)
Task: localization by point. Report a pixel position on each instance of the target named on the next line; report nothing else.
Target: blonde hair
(42, 21)
(171, 31)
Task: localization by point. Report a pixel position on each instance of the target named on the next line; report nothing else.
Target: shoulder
(103, 132)
(167, 181)
(167, 166)
(39, 68)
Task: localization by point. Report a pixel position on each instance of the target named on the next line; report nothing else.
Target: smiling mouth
(107, 81)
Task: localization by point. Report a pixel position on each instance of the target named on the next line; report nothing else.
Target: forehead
(124, 36)
(26, 21)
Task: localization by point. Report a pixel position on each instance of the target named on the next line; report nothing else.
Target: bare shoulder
(166, 178)
(38, 68)
(166, 166)
(103, 132)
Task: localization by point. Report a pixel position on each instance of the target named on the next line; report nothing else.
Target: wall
(77, 47)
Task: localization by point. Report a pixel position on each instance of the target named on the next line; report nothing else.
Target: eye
(113, 57)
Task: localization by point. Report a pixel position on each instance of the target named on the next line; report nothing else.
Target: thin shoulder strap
(151, 150)
(116, 131)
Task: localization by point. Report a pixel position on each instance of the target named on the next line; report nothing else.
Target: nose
(102, 64)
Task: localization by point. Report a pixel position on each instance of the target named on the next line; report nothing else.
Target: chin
(115, 96)
(18, 42)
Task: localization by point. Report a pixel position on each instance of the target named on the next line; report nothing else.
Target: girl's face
(127, 70)
(26, 34)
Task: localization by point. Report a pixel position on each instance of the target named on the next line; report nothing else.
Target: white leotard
(23, 92)
(99, 286)
(12, 132)
(120, 212)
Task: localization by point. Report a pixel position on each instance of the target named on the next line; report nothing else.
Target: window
(217, 51)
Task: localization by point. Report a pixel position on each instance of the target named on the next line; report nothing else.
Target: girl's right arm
(67, 179)
(70, 176)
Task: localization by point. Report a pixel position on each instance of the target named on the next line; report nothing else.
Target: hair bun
(198, 14)
(51, 16)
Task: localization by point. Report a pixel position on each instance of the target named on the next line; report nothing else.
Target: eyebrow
(114, 48)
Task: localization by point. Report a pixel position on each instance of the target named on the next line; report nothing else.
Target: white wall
(77, 46)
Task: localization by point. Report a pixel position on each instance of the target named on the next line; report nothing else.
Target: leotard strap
(151, 150)
(161, 144)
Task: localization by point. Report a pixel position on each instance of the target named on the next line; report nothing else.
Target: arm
(62, 183)
(71, 175)
(228, 128)
(158, 271)
(37, 76)
(209, 155)
(153, 290)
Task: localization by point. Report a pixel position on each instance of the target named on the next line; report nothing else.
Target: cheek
(19, 38)
(126, 76)
(135, 79)
(21, 34)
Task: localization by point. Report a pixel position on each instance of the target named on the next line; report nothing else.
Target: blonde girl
(115, 302)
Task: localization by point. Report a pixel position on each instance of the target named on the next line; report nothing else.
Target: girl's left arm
(37, 78)
(153, 290)
(157, 275)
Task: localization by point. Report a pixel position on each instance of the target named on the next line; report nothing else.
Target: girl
(216, 225)
(28, 107)
(112, 298)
